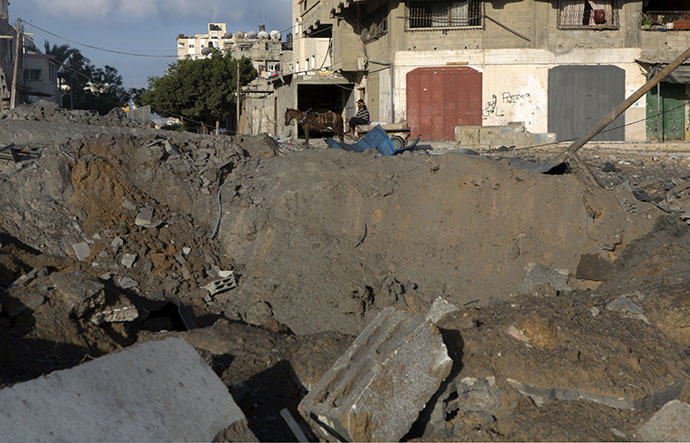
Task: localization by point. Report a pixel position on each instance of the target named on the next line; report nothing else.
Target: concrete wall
(515, 82)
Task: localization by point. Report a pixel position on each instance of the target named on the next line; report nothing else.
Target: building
(7, 33)
(40, 77)
(556, 65)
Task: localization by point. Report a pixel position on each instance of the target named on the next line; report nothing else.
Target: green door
(672, 121)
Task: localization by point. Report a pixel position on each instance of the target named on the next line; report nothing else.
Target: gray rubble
(670, 423)
(376, 389)
(156, 391)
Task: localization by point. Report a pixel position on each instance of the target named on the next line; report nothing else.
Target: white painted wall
(515, 81)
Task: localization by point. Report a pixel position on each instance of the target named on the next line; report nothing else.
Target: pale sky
(141, 26)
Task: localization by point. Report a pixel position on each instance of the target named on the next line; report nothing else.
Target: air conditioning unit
(362, 64)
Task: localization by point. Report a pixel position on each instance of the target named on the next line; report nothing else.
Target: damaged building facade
(558, 65)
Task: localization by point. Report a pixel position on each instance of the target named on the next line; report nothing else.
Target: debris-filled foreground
(336, 295)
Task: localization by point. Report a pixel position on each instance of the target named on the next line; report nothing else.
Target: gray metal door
(579, 96)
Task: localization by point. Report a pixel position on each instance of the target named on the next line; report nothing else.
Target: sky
(141, 26)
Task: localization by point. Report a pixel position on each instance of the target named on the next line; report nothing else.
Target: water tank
(239, 35)
(263, 35)
(275, 35)
(252, 34)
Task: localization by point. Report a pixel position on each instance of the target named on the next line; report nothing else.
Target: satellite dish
(227, 35)
(263, 35)
(275, 35)
(252, 34)
(239, 34)
(206, 51)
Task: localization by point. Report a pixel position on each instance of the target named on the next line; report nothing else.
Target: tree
(92, 88)
(200, 90)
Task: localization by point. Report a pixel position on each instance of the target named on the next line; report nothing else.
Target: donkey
(314, 121)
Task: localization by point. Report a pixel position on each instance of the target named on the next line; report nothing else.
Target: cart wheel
(398, 142)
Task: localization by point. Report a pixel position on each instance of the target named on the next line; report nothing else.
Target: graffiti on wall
(498, 105)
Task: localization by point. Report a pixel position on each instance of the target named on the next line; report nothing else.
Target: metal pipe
(579, 143)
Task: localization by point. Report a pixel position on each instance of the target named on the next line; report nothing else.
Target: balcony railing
(665, 21)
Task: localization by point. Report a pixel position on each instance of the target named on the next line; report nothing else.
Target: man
(361, 118)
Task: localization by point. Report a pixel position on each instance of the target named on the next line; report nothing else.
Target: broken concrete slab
(222, 285)
(439, 309)
(128, 260)
(593, 267)
(624, 305)
(82, 250)
(79, 290)
(541, 396)
(127, 283)
(156, 391)
(538, 275)
(670, 423)
(144, 217)
(376, 389)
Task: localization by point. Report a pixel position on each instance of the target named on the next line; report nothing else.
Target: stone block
(156, 391)
(144, 217)
(82, 250)
(374, 391)
(439, 309)
(670, 423)
(467, 135)
(128, 260)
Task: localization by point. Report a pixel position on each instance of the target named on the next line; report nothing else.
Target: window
(587, 14)
(32, 75)
(430, 14)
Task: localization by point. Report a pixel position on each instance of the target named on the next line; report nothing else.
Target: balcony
(665, 21)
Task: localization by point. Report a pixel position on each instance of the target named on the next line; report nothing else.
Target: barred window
(445, 14)
(587, 14)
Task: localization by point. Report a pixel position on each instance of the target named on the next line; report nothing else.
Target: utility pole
(15, 75)
(237, 128)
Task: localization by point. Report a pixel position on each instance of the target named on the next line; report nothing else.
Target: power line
(113, 51)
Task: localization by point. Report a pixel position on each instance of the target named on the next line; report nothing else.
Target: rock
(127, 283)
(652, 400)
(186, 250)
(468, 401)
(144, 217)
(156, 391)
(537, 275)
(624, 305)
(439, 309)
(128, 260)
(129, 205)
(29, 277)
(376, 389)
(593, 267)
(80, 290)
(116, 244)
(82, 250)
(670, 423)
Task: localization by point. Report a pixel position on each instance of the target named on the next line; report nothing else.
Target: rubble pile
(47, 111)
(337, 295)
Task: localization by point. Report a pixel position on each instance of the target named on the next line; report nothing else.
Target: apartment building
(556, 65)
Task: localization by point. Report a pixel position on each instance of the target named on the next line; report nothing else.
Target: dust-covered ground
(573, 305)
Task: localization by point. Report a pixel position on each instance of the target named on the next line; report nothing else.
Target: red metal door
(439, 99)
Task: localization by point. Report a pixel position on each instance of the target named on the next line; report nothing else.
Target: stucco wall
(515, 81)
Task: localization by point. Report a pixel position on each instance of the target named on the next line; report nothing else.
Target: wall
(47, 84)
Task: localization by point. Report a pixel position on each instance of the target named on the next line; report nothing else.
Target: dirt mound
(47, 111)
(359, 233)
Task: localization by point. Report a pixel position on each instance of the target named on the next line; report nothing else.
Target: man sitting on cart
(361, 118)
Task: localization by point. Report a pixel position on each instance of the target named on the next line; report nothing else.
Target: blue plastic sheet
(375, 139)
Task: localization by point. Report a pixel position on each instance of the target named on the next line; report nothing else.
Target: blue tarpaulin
(375, 139)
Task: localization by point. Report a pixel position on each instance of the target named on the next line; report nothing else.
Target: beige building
(556, 65)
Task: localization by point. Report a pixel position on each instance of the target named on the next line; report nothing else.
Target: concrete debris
(376, 389)
(222, 285)
(127, 283)
(144, 217)
(593, 267)
(128, 260)
(115, 315)
(439, 309)
(538, 275)
(670, 423)
(624, 305)
(156, 391)
(652, 400)
(116, 244)
(82, 250)
(129, 205)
